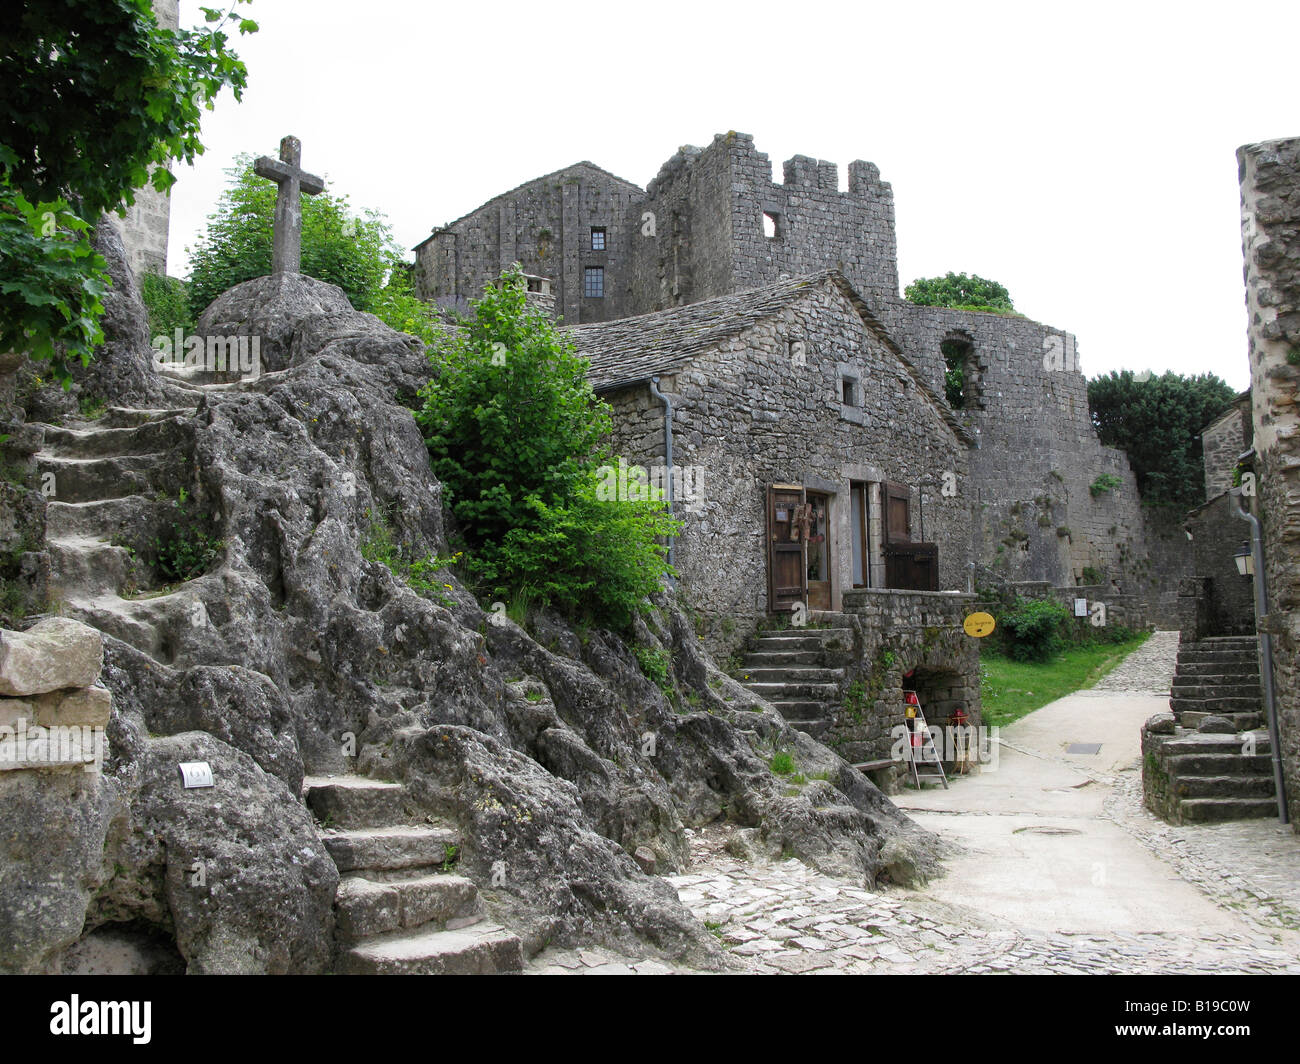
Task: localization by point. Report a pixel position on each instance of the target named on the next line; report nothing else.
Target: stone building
(1270, 203)
(1048, 502)
(566, 226)
(813, 467)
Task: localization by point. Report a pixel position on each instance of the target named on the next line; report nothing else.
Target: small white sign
(196, 774)
(1081, 607)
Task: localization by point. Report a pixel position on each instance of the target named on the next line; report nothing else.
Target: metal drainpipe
(668, 455)
(1260, 582)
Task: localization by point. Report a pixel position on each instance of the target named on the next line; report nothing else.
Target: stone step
(773, 658)
(355, 801)
(804, 639)
(799, 710)
(1215, 690)
(366, 907)
(88, 479)
(1199, 743)
(400, 846)
(790, 674)
(1238, 764)
(123, 416)
(87, 566)
(1216, 657)
(101, 517)
(480, 950)
(150, 437)
(1204, 810)
(1242, 721)
(1222, 787)
(785, 692)
(815, 728)
(1222, 706)
(143, 623)
(1192, 670)
(1230, 641)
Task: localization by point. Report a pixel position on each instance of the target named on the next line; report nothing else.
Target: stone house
(812, 467)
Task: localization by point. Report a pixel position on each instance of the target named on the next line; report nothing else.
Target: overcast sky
(1081, 154)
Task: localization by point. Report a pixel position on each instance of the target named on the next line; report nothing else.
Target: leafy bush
(654, 666)
(1034, 629)
(96, 101)
(166, 301)
(515, 435)
(960, 292)
(186, 548)
(1104, 483)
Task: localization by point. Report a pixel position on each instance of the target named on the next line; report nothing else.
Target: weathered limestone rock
(1216, 725)
(1161, 724)
(88, 706)
(53, 653)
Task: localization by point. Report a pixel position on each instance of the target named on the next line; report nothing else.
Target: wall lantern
(1245, 560)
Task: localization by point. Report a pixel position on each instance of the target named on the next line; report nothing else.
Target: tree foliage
(960, 292)
(95, 95)
(1158, 422)
(515, 436)
(356, 253)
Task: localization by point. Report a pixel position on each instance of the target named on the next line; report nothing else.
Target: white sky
(1081, 154)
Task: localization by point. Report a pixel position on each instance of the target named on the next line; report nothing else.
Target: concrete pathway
(1057, 868)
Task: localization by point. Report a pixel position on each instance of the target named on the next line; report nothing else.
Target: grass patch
(1011, 689)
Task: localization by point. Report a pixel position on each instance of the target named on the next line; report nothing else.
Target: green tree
(95, 95)
(356, 253)
(1158, 422)
(960, 292)
(515, 435)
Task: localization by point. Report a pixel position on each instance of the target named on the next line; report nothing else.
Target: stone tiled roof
(583, 165)
(631, 350)
(634, 349)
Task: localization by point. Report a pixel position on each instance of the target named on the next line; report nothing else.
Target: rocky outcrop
(552, 755)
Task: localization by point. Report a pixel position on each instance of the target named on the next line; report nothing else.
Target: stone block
(52, 654)
(86, 705)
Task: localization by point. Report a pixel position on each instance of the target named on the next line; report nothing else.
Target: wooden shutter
(787, 567)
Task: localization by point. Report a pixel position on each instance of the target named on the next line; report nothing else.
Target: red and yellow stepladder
(921, 748)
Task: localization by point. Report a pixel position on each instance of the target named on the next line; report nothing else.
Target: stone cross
(286, 254)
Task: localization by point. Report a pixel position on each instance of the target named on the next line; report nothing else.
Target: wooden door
(787, 565)
(897, 523)
(819, 552)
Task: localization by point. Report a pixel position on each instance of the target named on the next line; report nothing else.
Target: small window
(849, 391)
(770, 227)
(597, 238)
(593, 282)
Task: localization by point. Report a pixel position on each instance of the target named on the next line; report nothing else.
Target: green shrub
(1034, 629)
(515, 434)
(165, 299)
(782, 763)
(186, 548)
(654, 665)
(1104, 483)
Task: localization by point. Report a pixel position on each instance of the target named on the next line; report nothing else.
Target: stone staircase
(801, 671)
(1218, 677)
(399, 909)
(1194, 777)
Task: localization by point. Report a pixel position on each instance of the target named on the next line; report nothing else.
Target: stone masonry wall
(1269, 174)
(745, 417)
(545, 225)
(1221, 445)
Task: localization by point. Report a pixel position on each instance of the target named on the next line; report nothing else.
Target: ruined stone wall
(709, 205)
(746, 417)
(680, 233)
(1270, 207)
(1038, 457)
(546, 226)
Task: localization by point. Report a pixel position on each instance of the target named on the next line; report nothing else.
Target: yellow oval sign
(978, 625)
